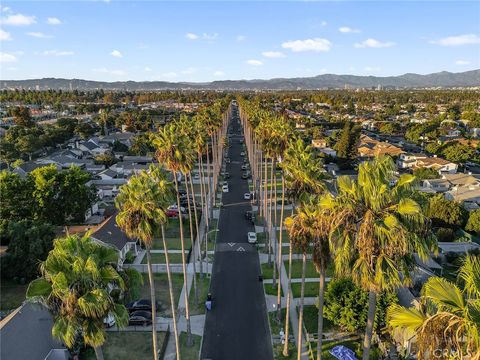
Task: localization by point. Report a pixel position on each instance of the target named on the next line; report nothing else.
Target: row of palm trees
(142, 205)
(368, 228)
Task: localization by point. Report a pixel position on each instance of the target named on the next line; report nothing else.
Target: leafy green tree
(107, 159)
(77, 278)
(29, 243)
(85, 130)
(346, 305)
(445, 213)
(8, 152)
(473, 223)
(60, 196)
(347, 145)
(15, 198)
(457, 152)
(119, 147)
(390, 128)
(142, 145)
(21, 116)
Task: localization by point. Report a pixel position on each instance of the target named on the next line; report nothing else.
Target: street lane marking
(240, 249)
(231, 244)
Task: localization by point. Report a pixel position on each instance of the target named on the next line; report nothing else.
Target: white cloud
(346, 30)
(209, 36)
(218, 73)
(146, 68)
(241, 38)
(188, 71)
(316, 44)
(372, 43)
(7, 58)
(466, 39)
(5, 36)
(57, 53)
(191, 36)
(39, 35)
(323, 23)
(273, 54)
(5, 9)
(18, 20)
(254, 62)
(116, 53)
(104, 70)
(462, 62)
(204, 36)
(54, 21)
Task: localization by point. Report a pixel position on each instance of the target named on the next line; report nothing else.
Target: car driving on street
(252, 237)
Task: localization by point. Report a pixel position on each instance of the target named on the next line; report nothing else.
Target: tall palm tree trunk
(265, 212)
(197, 237)
(300, 311)
(289, 294)
(367, 341)
(170, 291)
(184, 267)
(98, 352)
(280, 244)
(209, 182)
(272, 233)
(152, 299)
(192, 242)
(321, 300)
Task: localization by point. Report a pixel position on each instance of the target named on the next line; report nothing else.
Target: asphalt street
(237, 326)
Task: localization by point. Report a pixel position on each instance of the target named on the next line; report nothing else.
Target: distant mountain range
(441, 79)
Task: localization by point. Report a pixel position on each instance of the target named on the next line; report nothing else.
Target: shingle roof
(109, 233)
(27, 334)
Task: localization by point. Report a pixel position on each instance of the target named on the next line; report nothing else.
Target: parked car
(226, 175)
(225, 188)
(244, 167)
(109, 321)
(247, 196)
(175, 207)
(242, 153)
(227, 160)
(250, 215)
(143, 304)
(252, 237)
(140, 317)
(171, 213)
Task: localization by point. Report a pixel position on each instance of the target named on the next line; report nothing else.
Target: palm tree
(446, 318)
(75, 285)
(141, 204)
(377, 227)
(301, 231)
(302, 177)
(174, 154)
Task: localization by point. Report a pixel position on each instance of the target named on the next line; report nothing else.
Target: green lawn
(159, 258)
(172, 243)
(311, 289)
(310, 319)
(311, 271)
(267, 270)
(12, 294)
(161, 291)
(192, 352)
(203, 288)
(125, 345)
(270, 290)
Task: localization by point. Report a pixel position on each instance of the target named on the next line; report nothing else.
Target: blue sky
(204, 41)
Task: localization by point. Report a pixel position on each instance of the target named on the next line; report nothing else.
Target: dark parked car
(143, 304)
(250, 215)
(140, 317)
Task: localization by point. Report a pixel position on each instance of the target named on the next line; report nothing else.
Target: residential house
(369, 148)
(415, 161)
(25, 168)
(26, 333)
(110, 234)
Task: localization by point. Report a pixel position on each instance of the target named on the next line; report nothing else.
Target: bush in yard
(346, 305)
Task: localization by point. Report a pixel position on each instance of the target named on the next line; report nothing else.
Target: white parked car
(225, 188)
(242, 153)
(247, 196)
(252, 237)
(109, 321)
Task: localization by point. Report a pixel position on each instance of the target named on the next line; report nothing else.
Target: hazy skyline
(205, 41)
